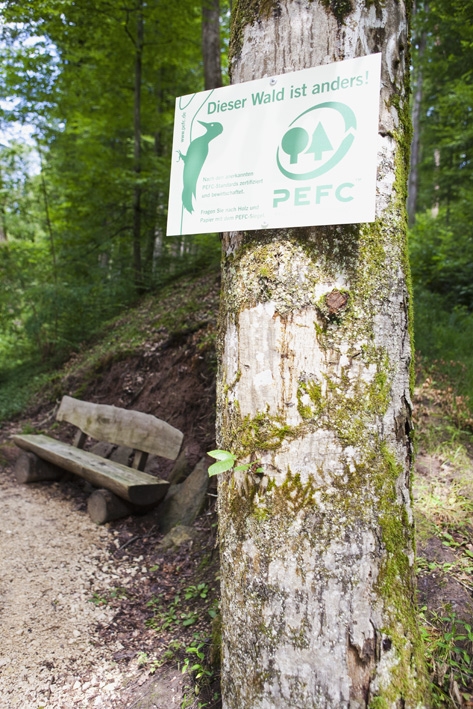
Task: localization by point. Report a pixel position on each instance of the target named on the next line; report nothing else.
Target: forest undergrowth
(443, 495)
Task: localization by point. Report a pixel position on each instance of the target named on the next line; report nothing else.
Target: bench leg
(29, 468)
(103, 506)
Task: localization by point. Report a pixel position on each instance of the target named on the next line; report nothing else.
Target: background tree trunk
(137, 191)
(211, 44)
(413, 187)
(315, 357)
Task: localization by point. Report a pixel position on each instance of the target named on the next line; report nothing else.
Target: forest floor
(105, 616)
(443, 508)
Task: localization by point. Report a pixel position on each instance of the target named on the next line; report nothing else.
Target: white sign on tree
(298, 149)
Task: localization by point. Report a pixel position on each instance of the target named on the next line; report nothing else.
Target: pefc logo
(316, 141)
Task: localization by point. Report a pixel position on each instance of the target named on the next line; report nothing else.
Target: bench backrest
(142, 432)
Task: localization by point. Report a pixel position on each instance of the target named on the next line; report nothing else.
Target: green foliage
(167, 616)
(98, 600)
(195, 662)
(226, 461)
(449, 647)
(443, 336)
(443, 43)
(152, 664)
(441, 240)
(199, 591)
(80, 240)
(441, 260)
(443, 494)
(185, 305)
(196, 657)
(19, 382)
(118, 593)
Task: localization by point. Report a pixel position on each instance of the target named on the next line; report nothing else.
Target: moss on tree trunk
(315, 360)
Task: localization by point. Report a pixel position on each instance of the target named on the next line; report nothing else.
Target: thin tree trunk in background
(3, 221)
(156, 228)
(48, 346)
(154, 237)
(317, 554)
(3, 228)
(415, 146)
(211, 44)
(137, 191)
(436, 205)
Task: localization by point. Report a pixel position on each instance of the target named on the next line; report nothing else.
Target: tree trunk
(155, 234)
(315, 359)
(415, 146)
(137, 265)
(211, 44)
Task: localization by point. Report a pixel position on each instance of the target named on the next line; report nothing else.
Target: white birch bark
(317, 554)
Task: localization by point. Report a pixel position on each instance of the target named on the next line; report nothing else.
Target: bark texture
(315, 356)
(137, 191)
(211, 44)
(415, 147)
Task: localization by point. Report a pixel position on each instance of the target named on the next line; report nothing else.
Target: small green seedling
(142, 659)
(151, 665)
(214, 609)
(199, 591)
(98, 600)
(197, 666)
(226, 461)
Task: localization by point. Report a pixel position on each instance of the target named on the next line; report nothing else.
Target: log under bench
(121, 489)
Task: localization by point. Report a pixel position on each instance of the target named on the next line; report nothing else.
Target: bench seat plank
(134, 429)
(132, 485)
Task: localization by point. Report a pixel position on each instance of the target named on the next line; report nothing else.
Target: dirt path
(52, 561)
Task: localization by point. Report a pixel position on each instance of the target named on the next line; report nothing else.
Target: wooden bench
(123, 488)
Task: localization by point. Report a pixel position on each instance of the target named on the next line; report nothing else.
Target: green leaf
(189, 621)
(222, 455)
(220, 467)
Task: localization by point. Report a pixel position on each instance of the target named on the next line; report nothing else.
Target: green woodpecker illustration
(194, 159)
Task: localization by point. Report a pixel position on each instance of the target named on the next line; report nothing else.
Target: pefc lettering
(305, 196)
